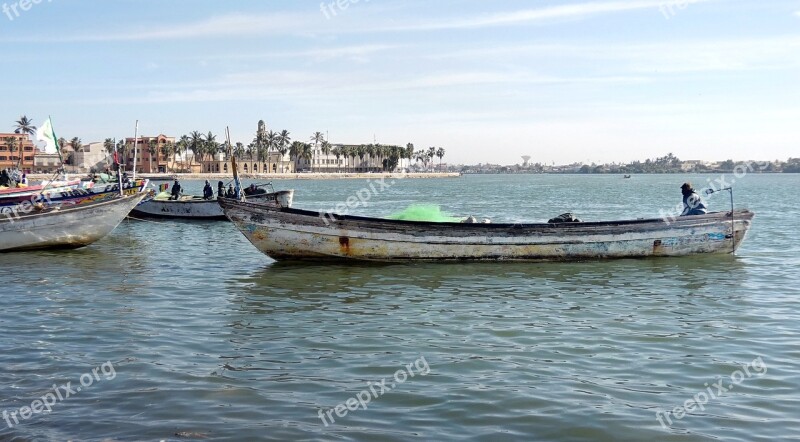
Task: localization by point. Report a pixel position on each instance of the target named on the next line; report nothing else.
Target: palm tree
(270, 143)
(238, 151)
(282, 145)
(430, 154)
(195, 145)
(24, 126)
(166, 151)
(419, 156)
(371, 151)
(440, 153)
(181, 148)
(11, 142)
(108, 145)
(152, 149)
(409, 153)
(296, 152)
(317, 138)
(337, 152)
(326, 148)
(75, 144)
(361, 152)
(307, 153)
(210, 146)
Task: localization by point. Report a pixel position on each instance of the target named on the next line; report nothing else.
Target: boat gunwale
(61, 210)
(723, 216)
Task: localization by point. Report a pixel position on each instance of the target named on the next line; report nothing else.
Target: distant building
(9, 158)
(145, 162)
(692, 165)
(273, 164)
(92, 157)
(47, 162)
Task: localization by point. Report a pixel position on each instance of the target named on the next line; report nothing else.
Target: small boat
(293, 234)
(69, 196)
(627, 177)
(195, 207)
(37, 188)
(67, 227)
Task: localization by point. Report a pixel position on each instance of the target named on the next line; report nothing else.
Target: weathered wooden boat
(46, 186)
(195, 207)
(293, 234)
(64, 227)
(70, 196)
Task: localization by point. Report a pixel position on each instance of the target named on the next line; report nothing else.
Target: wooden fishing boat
(195, 207)
(293, 234)
(64, 227)
(38, 188)
(70, 196)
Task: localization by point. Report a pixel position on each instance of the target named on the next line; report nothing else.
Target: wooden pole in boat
(238, 188)
(733, 218)
(733, 223)
(135, 147)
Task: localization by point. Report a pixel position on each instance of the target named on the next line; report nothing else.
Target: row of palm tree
(264, 144)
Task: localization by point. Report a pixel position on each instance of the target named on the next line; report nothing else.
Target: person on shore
(208, 191)
(230, 193)
(692, 203)
(176, 191)
(220, 189)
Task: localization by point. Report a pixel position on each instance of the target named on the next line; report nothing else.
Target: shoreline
(272, 176)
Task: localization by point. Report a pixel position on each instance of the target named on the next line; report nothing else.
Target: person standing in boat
(176, 191)
(231, 193)
(692, 203)
(220, 189)
(208, 191)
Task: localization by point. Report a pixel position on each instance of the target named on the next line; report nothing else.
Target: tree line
(266, 143)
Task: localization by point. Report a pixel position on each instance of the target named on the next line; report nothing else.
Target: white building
(91, 157)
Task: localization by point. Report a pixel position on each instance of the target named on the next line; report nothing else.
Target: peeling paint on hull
(67, 228)
(290, 234)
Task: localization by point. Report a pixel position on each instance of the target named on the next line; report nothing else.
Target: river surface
(183, 331)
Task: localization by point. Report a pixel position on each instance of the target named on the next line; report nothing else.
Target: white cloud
(281, 23)
(680, 56)
(578, 10)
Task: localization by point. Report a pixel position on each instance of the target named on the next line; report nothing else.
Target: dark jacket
(693, 205)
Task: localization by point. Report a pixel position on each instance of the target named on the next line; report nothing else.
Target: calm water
(203, 337)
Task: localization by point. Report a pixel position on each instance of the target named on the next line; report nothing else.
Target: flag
(48, 135)
(163, 188)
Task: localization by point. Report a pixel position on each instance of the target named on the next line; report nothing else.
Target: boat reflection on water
(293, 287)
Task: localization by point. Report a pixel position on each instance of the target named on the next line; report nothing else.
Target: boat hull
(65, 228)
(290, 234)
(200, 209)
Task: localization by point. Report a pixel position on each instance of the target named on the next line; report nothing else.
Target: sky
(489, 81)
